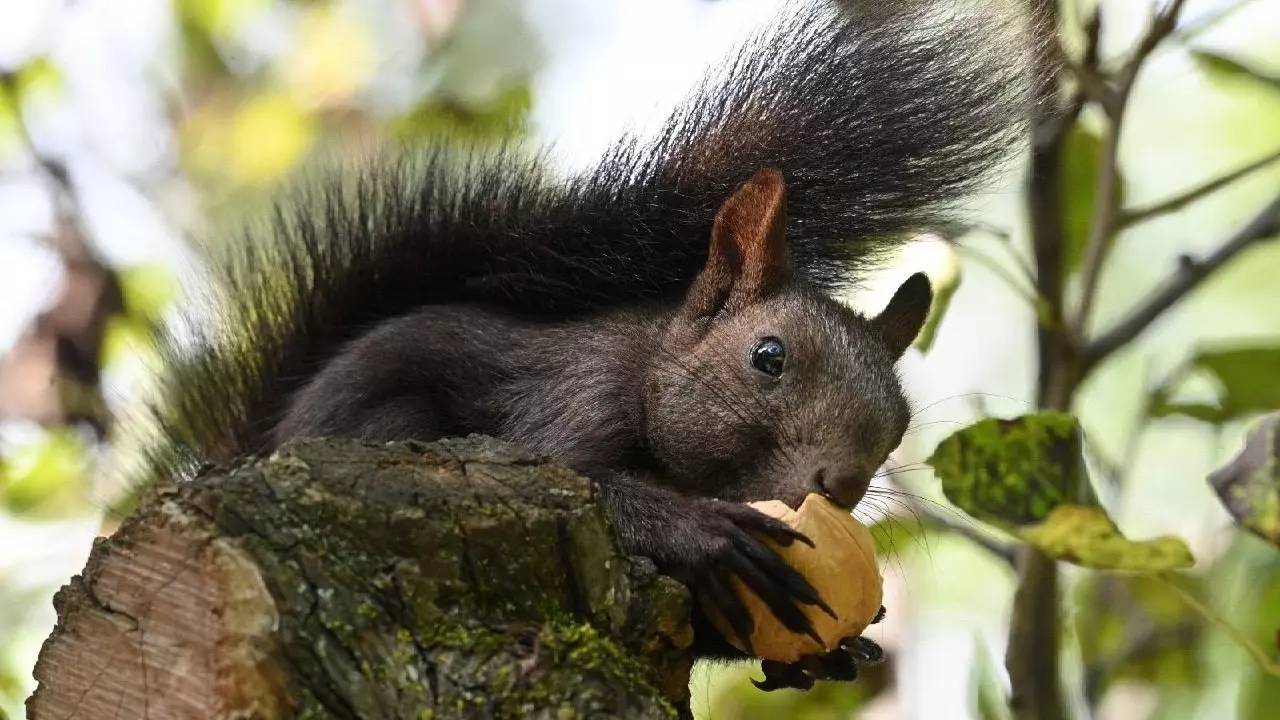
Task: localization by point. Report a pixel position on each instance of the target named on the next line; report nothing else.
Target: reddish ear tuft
(749, 256)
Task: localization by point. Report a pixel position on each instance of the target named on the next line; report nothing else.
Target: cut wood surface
(336, 579)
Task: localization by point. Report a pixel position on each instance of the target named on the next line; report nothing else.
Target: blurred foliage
(1259, 692)
(988, 695)
(246, 117)
(48, 478)
(1230, 70)
(1244, 378)
(1078, 180)
(1249, 485)
(946, 281)
(504, 115)
(1137, 630)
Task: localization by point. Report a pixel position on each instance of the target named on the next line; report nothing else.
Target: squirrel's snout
(842, 486)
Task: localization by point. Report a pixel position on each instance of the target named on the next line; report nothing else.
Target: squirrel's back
(879, 117)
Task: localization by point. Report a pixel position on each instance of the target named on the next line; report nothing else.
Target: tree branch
(1182, 199)
(1106, 208)
(1034, 624)
(1189, 276)
(458, 579)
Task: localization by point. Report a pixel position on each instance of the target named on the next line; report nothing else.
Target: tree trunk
(458, 579)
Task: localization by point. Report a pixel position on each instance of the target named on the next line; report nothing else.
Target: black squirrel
(663, 322)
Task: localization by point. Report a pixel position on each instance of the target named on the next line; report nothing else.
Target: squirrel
(664, 323)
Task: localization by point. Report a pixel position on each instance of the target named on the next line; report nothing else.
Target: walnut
(841, 567)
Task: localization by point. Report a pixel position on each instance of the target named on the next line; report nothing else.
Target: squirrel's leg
(703, 543)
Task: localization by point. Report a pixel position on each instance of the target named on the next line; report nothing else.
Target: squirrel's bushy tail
(879, 118)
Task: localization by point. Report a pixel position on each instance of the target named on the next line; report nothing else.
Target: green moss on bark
(457, 579)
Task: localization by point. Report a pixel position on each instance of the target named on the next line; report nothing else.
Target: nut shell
(841, 567)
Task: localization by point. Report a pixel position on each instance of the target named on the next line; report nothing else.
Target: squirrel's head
(765, 388)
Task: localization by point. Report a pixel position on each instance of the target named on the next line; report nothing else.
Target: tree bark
(458, 579)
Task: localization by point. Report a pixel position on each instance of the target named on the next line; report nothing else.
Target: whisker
(970, 395)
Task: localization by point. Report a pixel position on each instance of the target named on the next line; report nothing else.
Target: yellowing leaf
(268, 136)
(1086, 536)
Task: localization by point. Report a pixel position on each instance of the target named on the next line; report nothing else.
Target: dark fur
(461, 292)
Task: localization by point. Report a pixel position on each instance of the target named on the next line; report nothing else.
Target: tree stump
(336, 579)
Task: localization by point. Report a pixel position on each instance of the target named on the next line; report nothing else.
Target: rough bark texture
(335, 579)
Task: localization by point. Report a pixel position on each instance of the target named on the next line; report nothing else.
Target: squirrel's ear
(749, 255)
(900, 321)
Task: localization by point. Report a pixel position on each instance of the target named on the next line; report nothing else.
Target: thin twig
(1186, 197)
(970, 531)
(1037, 304)
(1024, 265)
(1106, 207)
(1189, 276)
(1265, 663)
(1088, 72)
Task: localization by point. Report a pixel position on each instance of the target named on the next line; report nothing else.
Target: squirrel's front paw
(839, 665)
(719, 543)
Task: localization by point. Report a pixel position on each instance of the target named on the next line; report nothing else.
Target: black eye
(769, 356)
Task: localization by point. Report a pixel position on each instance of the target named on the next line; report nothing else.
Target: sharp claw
(733, 613)
(817, 601)
(813, 634)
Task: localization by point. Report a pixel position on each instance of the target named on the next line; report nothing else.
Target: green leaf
(1014, 472)
(1248, 381)
(1077, 180)
(1228, 69)
(1249, 485)
(1086, 536)
(945, 283)
(1028, 476)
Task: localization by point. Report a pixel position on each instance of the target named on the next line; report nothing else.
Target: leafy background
(167, 112)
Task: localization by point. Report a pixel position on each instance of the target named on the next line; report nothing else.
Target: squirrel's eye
(768, 356)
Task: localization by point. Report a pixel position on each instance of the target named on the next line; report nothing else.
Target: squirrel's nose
(842, 486)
